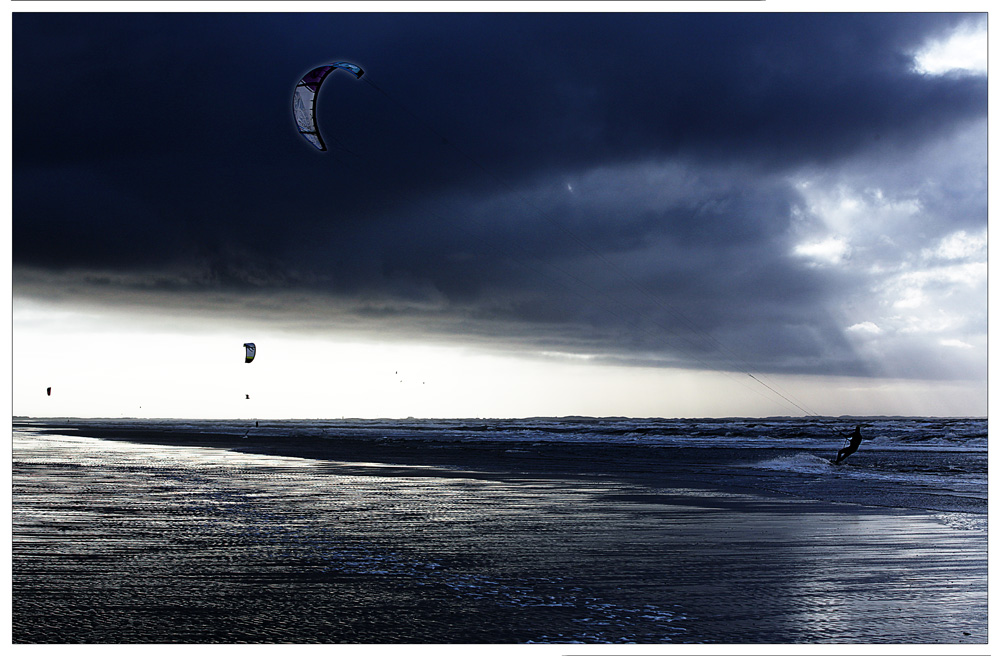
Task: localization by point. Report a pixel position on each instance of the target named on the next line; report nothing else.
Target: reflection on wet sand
(123, 542)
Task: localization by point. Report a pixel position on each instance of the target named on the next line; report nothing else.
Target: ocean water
(568, 530)
(910, 462)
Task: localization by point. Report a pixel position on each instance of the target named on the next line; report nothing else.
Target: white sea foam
(964, 521)
(800, 462)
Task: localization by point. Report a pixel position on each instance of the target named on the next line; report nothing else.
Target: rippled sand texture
(121, 542)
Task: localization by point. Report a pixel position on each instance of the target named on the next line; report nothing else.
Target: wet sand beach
(164, 536)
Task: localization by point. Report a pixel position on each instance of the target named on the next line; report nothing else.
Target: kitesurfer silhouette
(850, 448)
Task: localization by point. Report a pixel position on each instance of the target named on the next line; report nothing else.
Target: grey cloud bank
(772, 192)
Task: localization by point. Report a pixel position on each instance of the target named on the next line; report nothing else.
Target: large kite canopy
(251, 351)
(304, 99)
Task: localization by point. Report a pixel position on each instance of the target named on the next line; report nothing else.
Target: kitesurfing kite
(251, 351)
(304, 99)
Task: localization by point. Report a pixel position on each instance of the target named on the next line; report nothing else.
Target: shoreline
(645, 467)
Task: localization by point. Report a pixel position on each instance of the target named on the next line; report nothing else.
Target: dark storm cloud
(590, 182)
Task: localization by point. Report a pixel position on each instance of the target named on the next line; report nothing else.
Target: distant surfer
(850, 448)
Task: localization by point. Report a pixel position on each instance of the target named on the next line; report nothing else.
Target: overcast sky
(663, 213)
